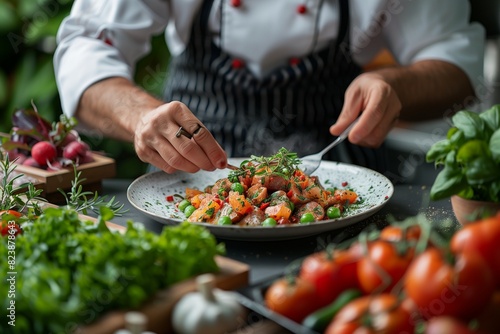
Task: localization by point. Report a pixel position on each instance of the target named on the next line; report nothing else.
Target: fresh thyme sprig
(18, 197)
(83, 201)
(284, 163)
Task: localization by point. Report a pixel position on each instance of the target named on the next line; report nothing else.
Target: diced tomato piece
(169, 198)
(190, 192)
(345, 195)
(279, 211)
(239, 203)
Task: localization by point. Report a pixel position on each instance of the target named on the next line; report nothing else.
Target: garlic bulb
(208, 310)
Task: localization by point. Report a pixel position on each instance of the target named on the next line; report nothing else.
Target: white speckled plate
(148, 192)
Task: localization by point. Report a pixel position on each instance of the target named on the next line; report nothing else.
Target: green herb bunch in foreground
(70, 272)
(471, 157)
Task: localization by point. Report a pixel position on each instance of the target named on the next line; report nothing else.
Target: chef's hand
(160, 141)
(376, 103)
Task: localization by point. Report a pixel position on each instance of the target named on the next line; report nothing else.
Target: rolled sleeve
(103, 39)
(441, 30)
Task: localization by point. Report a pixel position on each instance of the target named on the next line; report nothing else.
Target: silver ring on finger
(183, 132)
(197, 130)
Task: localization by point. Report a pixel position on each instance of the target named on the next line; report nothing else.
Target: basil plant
(470, 155)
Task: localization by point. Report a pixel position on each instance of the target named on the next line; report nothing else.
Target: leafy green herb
(70, 272)
(283, 163)
(471, 157)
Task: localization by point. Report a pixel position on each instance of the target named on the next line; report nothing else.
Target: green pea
(183, 204)
(333, 212)
(307, 218)
(269, 222)
(224, 220)
(238, 187)
(188, 211)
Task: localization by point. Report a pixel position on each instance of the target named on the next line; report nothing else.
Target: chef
(247, 77)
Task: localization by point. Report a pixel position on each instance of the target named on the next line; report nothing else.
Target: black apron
(293, 107)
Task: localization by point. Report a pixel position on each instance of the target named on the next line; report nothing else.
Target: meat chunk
(257, 194)
(254, 218)
(221, 187)
(311, 207)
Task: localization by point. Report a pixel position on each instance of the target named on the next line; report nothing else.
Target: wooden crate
(92, 174)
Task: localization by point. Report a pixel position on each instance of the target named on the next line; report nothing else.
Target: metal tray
(252, 297)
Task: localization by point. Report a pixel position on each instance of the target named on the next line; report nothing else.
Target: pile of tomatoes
(409, 281)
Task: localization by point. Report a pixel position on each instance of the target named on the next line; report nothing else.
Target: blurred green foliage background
(28, 31)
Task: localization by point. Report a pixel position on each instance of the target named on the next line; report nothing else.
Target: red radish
(75, 149)
(87, 158)
(54, 166)
(70, 137)
(43, 152)
(31, 162)
(17, 157)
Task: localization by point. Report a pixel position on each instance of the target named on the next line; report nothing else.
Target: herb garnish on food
(283, 163)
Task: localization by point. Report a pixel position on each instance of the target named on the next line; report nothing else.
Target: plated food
(268, 191)
(158, 196)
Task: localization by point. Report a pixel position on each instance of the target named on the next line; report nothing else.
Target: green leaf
(451, 159)
(482, 170)
(457, 139)
(471, 150)
(106, 213)
(495, 146)
(449, 181)
(469, 123)
(8, 17)
(491, 117)
(495, 191)
(438, 151)
(451, 132)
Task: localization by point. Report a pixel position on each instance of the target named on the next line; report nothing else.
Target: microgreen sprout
(283, 163)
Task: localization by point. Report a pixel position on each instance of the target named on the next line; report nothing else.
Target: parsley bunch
(70, 272)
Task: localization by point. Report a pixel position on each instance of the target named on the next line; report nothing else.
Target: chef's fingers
(378, 105)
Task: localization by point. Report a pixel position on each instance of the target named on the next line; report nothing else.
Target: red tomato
(439, 288)
(395, 233)
(447, 325)
(488, 319)
(331, 273)
(343, 195)
(482, 236)
(294, 299)
(9, 222)
(10, 212)
(384, 266)
(372, 314)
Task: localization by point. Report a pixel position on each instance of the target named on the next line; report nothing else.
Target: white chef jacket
(102, 39)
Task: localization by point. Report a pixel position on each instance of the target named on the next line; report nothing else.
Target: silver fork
(311, 162)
